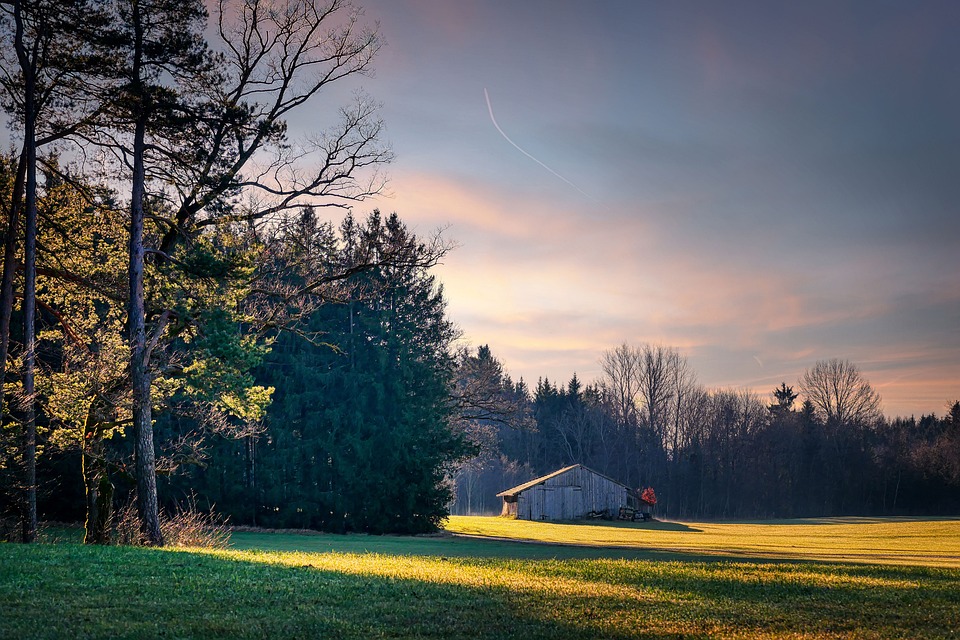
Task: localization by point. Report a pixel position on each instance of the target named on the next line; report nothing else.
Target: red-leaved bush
(648, 496)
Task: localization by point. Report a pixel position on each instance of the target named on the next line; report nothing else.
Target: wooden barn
(567, 494)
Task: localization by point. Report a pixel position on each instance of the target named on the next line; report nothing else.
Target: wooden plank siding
(568, 494)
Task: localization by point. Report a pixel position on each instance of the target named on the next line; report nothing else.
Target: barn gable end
(566, 494)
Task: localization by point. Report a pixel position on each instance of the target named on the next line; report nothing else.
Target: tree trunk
(28, 68)
(29, 337)
(252, 477)
(145, 467)
(96, 482)
(9, 270)
(99, 493)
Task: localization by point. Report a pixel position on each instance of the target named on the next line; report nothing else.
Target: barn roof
(526, 485)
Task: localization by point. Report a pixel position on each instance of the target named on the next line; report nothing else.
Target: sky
(759, 184)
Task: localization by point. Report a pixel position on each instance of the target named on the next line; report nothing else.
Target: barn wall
(569, 496)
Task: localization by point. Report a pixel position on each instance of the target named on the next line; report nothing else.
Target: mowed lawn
(692, 580)
(918, 541)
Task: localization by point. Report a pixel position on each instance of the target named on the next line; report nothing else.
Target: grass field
(918, 541)
(723, 580)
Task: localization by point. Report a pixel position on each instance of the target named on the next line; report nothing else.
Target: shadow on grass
(653, 525)
(452, 546)
(661, 525)
(849, 520)
(842, 520)
(446, 546)
(76, 591)
(470, 546)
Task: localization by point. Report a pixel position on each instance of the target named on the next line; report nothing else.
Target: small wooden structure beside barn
(567, 494)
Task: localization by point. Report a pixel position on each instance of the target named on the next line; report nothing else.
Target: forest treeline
(181, 324)
(819, 447)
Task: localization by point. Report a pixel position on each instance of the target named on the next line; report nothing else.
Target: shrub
(10, 529)
(648, 497)
(188, 527)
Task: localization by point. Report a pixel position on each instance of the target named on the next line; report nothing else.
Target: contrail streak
(520, 149)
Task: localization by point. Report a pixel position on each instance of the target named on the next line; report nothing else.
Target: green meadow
(497, 578)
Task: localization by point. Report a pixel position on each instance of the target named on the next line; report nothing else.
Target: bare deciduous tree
(840, 394)
(658, 370)
(621, 381)
(684, 389)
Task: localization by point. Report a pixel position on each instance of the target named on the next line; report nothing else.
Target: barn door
(571, 502)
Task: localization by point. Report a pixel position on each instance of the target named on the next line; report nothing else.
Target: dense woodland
(192, 316)
(820, 447)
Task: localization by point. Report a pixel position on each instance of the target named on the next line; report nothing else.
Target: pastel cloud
(550, 287)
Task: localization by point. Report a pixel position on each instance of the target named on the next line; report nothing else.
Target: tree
(648, 387)
(28, 57)
(684, 390)
(33, 85)
(483, 394)
(158, 49)
(621, 381)
(202, 371)
(84, 379)
(43, 50)
(487, 404)
(360, 434)
(84, 386)
(658, 365)
(188, 133)
(940, 456)
(840, 394)
(783, 397)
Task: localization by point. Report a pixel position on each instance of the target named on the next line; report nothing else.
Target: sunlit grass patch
(627, 598)
(933, 542)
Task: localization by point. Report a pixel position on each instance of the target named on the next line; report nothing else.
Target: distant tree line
(820, 447)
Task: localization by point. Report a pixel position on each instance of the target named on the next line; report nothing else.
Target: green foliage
(202, 354)
(222, 357)
(82, 378)
(203, 350)
(358, 435)
(181, 124)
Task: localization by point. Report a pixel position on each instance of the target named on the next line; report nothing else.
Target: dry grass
(903, 541)
(187, 527)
